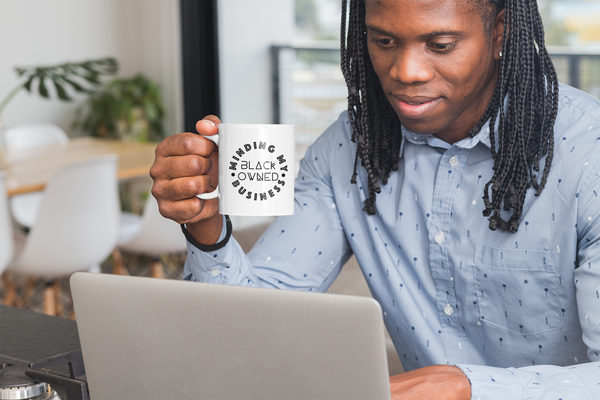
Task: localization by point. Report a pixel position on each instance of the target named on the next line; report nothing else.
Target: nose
(411, 66)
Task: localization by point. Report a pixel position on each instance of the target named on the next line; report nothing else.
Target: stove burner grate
(20, 381)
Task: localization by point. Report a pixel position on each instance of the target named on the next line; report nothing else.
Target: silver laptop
(145, 338)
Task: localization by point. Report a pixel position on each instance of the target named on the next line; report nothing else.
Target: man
(449, 101)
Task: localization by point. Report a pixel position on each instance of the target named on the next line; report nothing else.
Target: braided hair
(527, 79)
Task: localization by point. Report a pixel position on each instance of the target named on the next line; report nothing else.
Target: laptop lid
(145, 338)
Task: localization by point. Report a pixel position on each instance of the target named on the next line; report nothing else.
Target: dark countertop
(30, 336)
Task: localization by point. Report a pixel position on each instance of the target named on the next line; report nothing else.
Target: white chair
(6, 236)
(77, 226)
(17, 141)
(28, 136)
(151, 234)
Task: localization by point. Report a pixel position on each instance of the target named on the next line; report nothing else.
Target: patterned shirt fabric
(519, 313)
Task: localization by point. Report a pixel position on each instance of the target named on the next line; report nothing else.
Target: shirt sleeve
(304, 251)
(581, 381)
(578, 382)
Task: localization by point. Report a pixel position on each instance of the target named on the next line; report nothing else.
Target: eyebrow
(424, 36)
(441, 33)
(372, 28)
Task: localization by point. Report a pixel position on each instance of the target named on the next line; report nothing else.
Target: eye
(442, 47)
(383, 42)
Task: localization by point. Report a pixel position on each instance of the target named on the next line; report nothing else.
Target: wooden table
(35, 167)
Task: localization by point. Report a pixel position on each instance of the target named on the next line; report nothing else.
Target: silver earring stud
(500, 54)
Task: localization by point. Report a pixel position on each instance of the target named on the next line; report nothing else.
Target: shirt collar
(482, 137)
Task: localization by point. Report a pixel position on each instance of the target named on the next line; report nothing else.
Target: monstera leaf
(66, 79)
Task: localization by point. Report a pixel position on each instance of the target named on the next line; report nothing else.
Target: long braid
(525, 131)
(524, 103)
(372, 118)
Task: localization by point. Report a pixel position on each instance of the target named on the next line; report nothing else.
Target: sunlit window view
(312, 92)
(571, 22)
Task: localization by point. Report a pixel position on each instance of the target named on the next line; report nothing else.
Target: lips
(414, 107)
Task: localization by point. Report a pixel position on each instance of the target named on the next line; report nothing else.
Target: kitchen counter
(30, 336)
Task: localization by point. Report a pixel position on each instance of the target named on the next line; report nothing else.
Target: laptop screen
(145, 338)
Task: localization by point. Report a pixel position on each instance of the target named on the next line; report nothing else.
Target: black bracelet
(210, 247)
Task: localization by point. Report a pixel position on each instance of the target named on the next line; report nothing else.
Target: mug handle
(215, 193)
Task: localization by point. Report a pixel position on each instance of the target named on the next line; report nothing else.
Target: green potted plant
(125, 108)
(77, 77)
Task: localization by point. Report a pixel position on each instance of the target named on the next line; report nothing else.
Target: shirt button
(454, 161)
(448, 310)
(440, 237)
(215, 271)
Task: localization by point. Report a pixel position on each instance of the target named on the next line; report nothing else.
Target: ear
(497, 34)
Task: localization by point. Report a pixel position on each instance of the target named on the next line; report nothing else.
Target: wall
(247, 29)
(142, 34)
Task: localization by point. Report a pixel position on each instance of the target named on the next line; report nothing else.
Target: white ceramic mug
(256, 176)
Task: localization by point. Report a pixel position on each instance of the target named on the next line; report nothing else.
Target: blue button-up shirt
(519, 313)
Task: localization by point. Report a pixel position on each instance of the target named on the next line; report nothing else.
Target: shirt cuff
(207, 263)
(485, 381)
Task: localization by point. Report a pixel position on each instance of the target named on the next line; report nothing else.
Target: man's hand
(185, 165)
(434, 382)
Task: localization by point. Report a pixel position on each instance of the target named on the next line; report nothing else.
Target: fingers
(208, 125)
(184, 144)
(180, 166)
(186, 165)
(177, 195)
(178, 199)
(189, 211)
(182, 188)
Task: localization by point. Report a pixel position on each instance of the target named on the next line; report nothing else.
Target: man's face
(435, 62)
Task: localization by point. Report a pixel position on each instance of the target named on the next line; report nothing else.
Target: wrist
(213, 244)
(206, 232)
